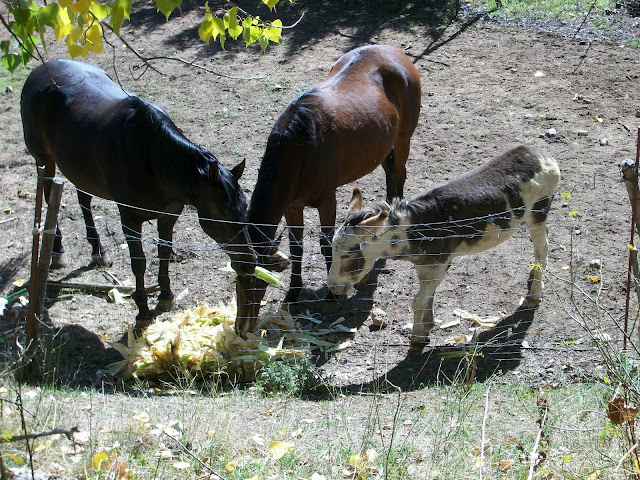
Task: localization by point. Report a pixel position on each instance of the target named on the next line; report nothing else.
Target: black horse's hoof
(101, 260)
(58, 260)
(166, 304)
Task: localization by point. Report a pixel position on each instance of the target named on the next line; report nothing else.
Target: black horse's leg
(327, 213)
(396, 174)
(166, 300)
(295, 222)
(98, 252)
(132, 229)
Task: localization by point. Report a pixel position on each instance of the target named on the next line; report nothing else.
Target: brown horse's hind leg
(98, 252)
(327, 213)
(295, 222)
(166, 300)
(396, 173)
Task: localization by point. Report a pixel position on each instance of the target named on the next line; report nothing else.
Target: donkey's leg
(132, 229)
(327, 213)
(430, 277)
(295, 221)
(535, 285)
(98, 252)
(166, 300)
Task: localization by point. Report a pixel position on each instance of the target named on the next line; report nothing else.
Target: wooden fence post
(40, 265)
(629, 170)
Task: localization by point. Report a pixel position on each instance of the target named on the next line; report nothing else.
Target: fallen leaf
(98, 458)
(619, 412)
(182, 466)
(231, 466)
(279, 449)
(56, 469)
(505, 465)
(356, 460)
(257, 440)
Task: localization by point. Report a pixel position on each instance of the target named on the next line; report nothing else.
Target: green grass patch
(436, 430)
(556, 9)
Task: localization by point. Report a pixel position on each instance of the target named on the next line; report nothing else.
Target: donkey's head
(356, 245)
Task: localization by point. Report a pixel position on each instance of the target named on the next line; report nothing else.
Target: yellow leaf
(80, 6)
(594, 278)
(19, 460)
(98, 458)
(279, 449)
(94, 38)
(594, 475)
(231, 466)
(371, 455)
(255, 477)
(356, 460)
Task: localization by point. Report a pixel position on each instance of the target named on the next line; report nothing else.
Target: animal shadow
(498, 349)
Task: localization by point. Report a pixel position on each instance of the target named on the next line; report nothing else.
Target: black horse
(114, 145)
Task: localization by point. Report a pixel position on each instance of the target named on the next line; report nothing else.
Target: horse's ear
(214, 171)
(238, 170)
(356, 201)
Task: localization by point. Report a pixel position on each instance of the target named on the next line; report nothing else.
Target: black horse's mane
(168, 138)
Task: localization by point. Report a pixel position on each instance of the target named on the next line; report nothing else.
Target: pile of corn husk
(202, 343)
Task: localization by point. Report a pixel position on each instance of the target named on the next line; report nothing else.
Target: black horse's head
(222, 207)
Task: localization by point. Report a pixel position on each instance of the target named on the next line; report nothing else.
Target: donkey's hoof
(529, 302)
(166, 304)
(100, 261)
(58, 260)
(415, 350)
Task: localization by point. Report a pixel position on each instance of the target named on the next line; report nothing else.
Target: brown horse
(361, 116)
(469, 214)
(117, 146)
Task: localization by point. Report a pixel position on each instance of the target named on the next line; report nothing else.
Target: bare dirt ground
(487, 85)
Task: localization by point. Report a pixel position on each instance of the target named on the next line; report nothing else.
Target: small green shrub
(287, 378)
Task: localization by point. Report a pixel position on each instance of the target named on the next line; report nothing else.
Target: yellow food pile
(202, 342)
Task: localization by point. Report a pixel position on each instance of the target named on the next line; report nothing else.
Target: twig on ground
(624, 457)
(67, 432)
(535, 455)
(188, 452)
(484, 423)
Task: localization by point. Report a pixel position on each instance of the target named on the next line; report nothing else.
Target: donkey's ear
(356, 201)
(238, 170)
(376, 220)
(214, 171)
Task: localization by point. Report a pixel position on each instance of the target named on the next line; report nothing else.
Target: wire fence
(587, 248)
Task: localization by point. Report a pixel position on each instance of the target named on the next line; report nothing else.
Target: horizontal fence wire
(488, 284)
